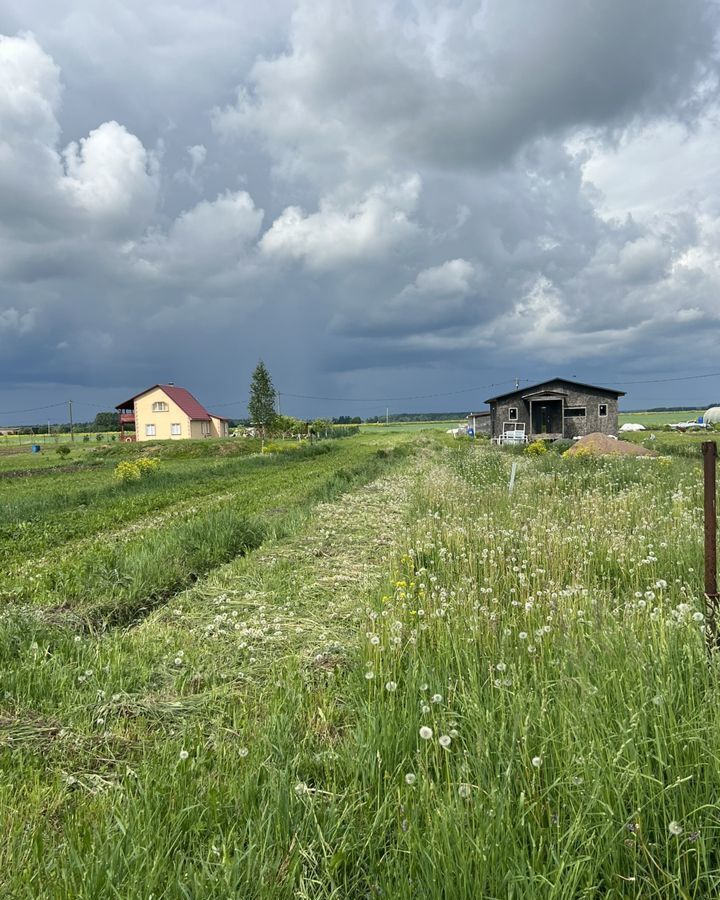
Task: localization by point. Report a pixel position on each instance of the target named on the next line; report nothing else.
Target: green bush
(62, 450)
(147, 465)
(127, 472)
(537, 448)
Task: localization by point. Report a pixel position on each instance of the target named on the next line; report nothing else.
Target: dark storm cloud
(380, 199)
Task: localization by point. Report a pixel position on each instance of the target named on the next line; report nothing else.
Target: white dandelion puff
(537, 761)
(445, 740)
(426, 733)
(410, 778)
(675, 828)
(184, 754)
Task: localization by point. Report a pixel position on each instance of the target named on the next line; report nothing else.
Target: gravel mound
(599, 444)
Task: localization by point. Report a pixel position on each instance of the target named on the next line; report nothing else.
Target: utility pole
(517, 382)
(387, 416)
(72, 433)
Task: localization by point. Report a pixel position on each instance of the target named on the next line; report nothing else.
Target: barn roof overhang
(546, 395)
(611, 392)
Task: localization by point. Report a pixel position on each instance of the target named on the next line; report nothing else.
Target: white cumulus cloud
(343, 232)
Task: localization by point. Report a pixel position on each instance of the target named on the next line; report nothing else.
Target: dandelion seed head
(410, 778)
(537, 761)
(391, 686)
(675, 828)
(445, 740)
(184, 754)
(426, 733)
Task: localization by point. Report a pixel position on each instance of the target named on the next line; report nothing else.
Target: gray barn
(553, 409)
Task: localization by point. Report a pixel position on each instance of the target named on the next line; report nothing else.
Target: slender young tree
(261, 405)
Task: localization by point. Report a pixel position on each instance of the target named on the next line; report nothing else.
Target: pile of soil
(599, 444)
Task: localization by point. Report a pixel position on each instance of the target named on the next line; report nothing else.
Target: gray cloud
(379, 199)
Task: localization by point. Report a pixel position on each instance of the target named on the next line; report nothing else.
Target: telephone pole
(72, 432)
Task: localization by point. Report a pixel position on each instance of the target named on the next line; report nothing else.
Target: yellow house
(167, 412)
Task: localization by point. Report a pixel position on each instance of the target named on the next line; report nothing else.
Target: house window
(149, 431)
(574, 412)
(206, 428)
(512, 414)
(602, 410)
(159, 406)
(175, 428)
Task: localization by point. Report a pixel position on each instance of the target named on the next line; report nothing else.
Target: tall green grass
(526, 710)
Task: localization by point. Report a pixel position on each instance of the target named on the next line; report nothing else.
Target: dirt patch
(46, 470)
(597, 444)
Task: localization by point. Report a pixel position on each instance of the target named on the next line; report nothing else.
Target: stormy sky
(382, 200)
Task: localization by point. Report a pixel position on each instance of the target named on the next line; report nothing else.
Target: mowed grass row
(39, 514)
(44, 511)
(526, 710)
(112, 582)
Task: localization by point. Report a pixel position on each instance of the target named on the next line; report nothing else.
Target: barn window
(574, 412)
(602, 409)
(175, 428)
(149, 431)
(159, 406)
(512, 414)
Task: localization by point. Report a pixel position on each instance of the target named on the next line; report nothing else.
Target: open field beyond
(356, 669)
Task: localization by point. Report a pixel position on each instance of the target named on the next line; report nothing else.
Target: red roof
(184, 399)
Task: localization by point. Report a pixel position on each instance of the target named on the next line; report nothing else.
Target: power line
(15, 412)
(665, 380)
(480, 387)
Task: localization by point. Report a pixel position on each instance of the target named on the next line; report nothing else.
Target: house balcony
(127, 418)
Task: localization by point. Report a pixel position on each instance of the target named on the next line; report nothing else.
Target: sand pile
(599, 444)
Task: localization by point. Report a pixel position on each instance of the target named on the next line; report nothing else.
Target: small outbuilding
(479, 422)
(554, 409)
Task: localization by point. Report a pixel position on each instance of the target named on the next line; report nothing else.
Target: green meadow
(358, 669)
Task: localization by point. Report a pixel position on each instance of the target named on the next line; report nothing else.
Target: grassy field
(655, 419)
(358, 670)
(406, 427)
